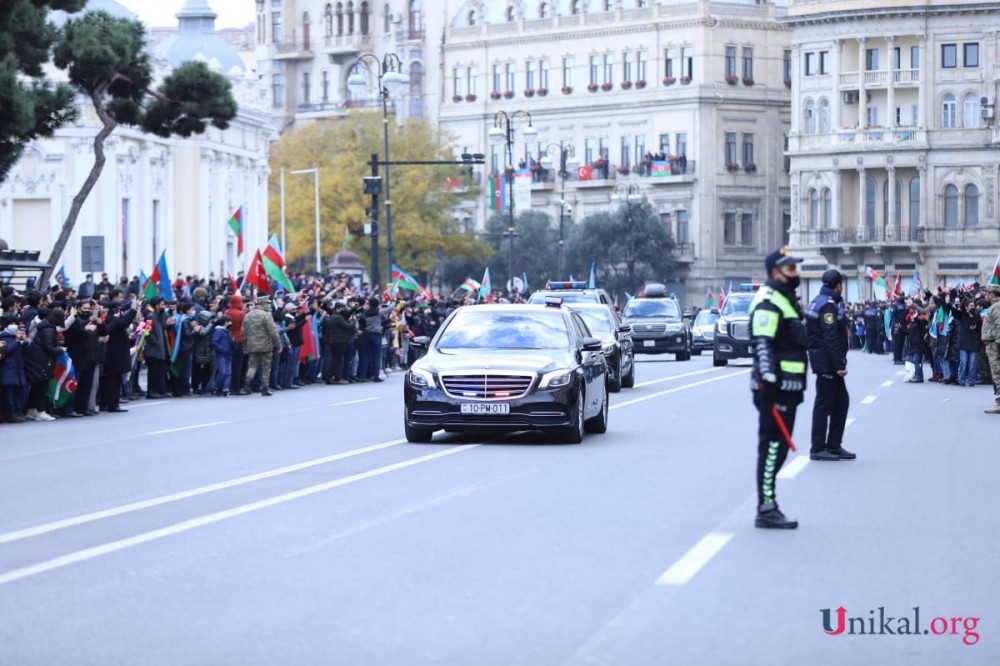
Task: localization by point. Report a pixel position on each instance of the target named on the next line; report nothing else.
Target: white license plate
(649, 343)
(485, 408)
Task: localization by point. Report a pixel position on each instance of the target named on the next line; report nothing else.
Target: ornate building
(893, 140)
(154, 194)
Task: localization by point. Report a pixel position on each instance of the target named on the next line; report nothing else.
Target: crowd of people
(201, 340)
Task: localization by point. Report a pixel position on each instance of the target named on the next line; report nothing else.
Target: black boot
(823, 455)
(843, 453)
(265, 391)
(769, 516)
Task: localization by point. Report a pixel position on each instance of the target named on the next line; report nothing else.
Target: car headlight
(556, 378)
(420, 379)
(720, 327)
(609, 348)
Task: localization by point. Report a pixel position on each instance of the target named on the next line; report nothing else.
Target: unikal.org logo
(837, 623)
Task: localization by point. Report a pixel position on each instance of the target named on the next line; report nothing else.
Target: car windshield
(566, 296)
(597, 321)
(652, 308)
(481, 328)
(736, 305)
(706, 318)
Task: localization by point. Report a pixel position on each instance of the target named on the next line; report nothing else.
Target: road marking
(148, 403)
(792, 469)
(194, 523)
(186, 494)
(351, 402)
(900, 373)
(869, 399)
(679, 388)
(673, 377)
(848, 422)
(194, 427)
(691, 563)
(887, 383)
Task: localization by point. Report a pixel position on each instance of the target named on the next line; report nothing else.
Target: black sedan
(508, 368)
(604, 323)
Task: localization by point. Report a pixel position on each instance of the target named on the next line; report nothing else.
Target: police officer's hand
(769, 393)
(842, 373)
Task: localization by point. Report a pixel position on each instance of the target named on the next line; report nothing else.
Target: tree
(106, 61)
(536, 245)
(628, 247)
(424, 230)
(32, 106)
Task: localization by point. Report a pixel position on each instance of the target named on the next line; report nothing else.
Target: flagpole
(283, 208)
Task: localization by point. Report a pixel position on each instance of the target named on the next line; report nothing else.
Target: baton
(782, 427)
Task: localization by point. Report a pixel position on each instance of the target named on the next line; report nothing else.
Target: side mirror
(420, 342)
(625, 328)
(592, 345)
(714, 310)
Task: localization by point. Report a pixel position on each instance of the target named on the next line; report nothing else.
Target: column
(861, 226)
(923, 88)
(926, 212)
(891, 230)
(837, 101)
(838, 187)
(862, 94)
(891, 83)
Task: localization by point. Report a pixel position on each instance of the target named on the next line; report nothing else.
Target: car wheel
(628, 381)
(574, 433)
(599, 424)
(417, 435)
(696, 352)
(718, 362)
(683, 356)
(615, 382)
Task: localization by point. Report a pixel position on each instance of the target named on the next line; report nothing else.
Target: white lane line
(673, 377)
(679, 388)
(351, 402)
(148, 403)
(691, 563)
(792, 469)
(848, 422)
(887, 383)
(185, 494)
(194, 427)
(194, 523)
(869, 399)
(900, 373)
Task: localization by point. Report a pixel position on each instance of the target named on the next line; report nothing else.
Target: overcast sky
(160, 13)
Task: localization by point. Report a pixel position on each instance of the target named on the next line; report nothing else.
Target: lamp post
(315, 172)
(631, 193)
(503, 132)
(566, 155)
(391, 79)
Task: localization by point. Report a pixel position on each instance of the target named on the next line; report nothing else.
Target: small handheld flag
(236, 225)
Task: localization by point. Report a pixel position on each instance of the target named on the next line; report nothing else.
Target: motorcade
(575, 291)
(657, 325)
(616, 336)
(732, 329)
(703, 331)
(504, 368)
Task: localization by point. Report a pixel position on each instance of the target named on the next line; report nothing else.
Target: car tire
(599, 423)
(683, 356)
(628, 381)
(573, 434)
(718, 362)
(417, 435)
(615, 383)
(696, 352)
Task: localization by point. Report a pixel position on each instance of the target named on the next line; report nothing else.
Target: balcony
(293, 50)
(684, 253)
(346, 45)
(862, 236)
(880, 78)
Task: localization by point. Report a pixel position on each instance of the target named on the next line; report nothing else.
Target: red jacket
(236, 313)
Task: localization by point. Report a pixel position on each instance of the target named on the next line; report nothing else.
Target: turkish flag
(584, 172)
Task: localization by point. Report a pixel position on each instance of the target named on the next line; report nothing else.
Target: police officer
(899, 310)
(779, 343)
(872, 324)
(826, 324)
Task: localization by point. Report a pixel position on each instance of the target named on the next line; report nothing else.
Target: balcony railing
(342, 42)
(880, 78)
(862, 236)
(684, 252)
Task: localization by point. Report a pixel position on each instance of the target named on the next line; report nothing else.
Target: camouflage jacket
(260, 333)
(991, 324)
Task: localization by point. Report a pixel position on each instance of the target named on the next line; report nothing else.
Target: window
(681, 140)
(627, 66)
(810, 116)
(277, 35)
(340, 19)
(897, 59)
(416, 18)
(641, 66)
(640, 149)
(730, 148)
(589, 156)
(665, 144)
(350, 18)
(748, 150)
(326, 85)
(970, 109)
(970, 55)
(543, 74)
(543, 10)
(459, 85)
(529, 75)
(511, 15)
(683, 227)
(971, 205)
(951, 206)
(473, 19)
(813, 209)
(602, 146)
(729, 229)
(306, 87)
(364, 18)
(809, 64)
(278, 89)
(871, 116)
(595, 67)
(687, 61)
(747, 64)
(914, 57)
(473, 73)
(328, 21)
(665, 220)
(949, 56)
(827, 201)
(870, 203)
(496, 79)
(786, 65)
(670, 66)
(949, 111)
(914, 207)
(509, 76)
(609, 67)
(386, 19)
(626, 152)
(871, 60)
(746, 229)
(574, 7)
(824, 62)
(567, 72)
(824, 115)
(730, 62)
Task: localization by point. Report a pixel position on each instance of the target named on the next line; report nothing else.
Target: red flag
(309, 349)
(584, 172)
(257, 276)
(897, 285)
(232, 282)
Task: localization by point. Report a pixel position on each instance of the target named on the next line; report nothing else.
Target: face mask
(793, 282)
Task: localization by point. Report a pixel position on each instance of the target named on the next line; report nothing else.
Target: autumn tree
(107, 62)
(536, 246)
(424, 231)
(31, 106)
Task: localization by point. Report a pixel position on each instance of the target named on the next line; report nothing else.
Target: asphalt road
(302, 529)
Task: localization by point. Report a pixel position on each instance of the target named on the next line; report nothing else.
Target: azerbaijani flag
(878, 279)
(709, 298)
(62, 279)
(403, 279)
(659, 168)
(918, 284)
(274, 264)
(236, 225)
(162, 279)
(498, 194)
(471, 285)
(485, 288)
(995, 278)
(63, 384)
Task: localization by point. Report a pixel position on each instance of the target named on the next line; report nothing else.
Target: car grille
(741, 330)
(493, 386)
(649, 328)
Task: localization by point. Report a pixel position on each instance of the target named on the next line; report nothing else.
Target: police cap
(780, 257)
(832, 278)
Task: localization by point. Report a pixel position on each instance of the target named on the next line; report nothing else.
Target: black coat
(12, 366)
(915, 335)
(119, 346)
(40, 359)
(826, 324)
(81, 343)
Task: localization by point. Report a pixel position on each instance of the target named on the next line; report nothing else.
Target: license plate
(649, 343)
(485, 408)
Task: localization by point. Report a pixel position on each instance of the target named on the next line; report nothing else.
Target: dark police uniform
(826, 323)
(899, 311)
(873, 322)
(779, 343)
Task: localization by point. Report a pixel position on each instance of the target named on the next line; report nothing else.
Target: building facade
(893, 143)
(154, 194)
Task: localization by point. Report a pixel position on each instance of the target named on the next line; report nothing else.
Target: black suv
(657, 325)
(570, 292)
(732, 329)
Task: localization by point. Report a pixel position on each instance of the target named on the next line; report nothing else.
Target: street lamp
(391, 80)
(567, 157)
(630, 192)
(503, 132)
(315, 172)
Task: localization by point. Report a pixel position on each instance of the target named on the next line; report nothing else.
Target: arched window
(364, 18)
(971, 205)
(914, 207)
(543, 10)
(511, 14)
(386, 19)
(827, 202)
(340, 19)
(870, 191)
(416, 78)
(898, 213)
(416, 17)
(810, 117)
(951, 206)
(813, 209)
(574, 7)
(328, 20)
(970, 110)
(824, 115)
(305, 31)
(949, 111)
(473, 19)
(350, 18)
